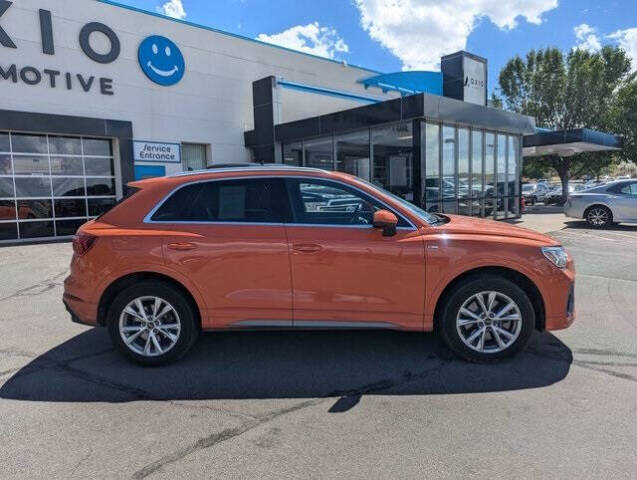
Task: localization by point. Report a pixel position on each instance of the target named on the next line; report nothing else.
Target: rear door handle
(306, 247)
(181, 246)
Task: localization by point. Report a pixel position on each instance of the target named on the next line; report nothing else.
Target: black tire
(187, 318)
(463, 292)
(598, 216)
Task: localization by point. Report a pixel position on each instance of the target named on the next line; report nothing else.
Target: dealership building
(97, 94)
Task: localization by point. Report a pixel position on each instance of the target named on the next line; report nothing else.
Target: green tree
(623, 120)
(569, 91)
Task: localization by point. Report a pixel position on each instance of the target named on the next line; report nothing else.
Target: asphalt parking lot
(323, 404)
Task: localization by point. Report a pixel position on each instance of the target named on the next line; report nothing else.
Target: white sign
(475, 81)
(156, 152)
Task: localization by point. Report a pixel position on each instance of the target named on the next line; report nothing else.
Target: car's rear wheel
(598, 216)
(486, 318)
(152, 323)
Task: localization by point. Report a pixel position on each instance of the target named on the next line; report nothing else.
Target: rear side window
(629, 189)
(253, 201)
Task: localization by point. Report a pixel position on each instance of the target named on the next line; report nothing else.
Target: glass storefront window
(4, 142)
(65, 145)
(319, 153)
(449, 185)
(60, 182)
(5, 165)
(432, 168)
(477, 182)
(463, 180)
(352, 154)
(293, 153)
(501, 173)
(489, 175)
(393, 159)
(29, 143)
(513, 179)
(67, 166)
(31, 165)
(97, 147)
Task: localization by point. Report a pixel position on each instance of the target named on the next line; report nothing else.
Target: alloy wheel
(597, 217)
(489, 322)
(149, 326)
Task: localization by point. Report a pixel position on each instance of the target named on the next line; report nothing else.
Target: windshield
(427, 217)
(528, 188)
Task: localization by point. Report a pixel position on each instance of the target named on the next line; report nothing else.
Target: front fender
(448, 258)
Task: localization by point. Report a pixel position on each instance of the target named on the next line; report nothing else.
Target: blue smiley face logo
(161, 60)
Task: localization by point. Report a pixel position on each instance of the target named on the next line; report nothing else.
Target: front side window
(243, 201)
(321, 202)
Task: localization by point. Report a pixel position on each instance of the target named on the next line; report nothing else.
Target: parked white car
(602, 206)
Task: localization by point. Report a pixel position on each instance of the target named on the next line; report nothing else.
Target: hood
(460, 224)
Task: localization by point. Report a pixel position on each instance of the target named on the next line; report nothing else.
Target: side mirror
(387, 221)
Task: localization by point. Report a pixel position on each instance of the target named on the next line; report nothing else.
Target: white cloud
(419, 32)
(174, 9)
(587, 38)
(627, 39)
(310, 38)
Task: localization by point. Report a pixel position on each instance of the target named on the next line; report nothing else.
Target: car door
(228, 239)
(345, 273)
(625, 202)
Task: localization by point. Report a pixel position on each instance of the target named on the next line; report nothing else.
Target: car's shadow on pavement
(255, 365)
(582, 225)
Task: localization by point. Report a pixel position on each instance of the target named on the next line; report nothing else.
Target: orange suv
(275, 247)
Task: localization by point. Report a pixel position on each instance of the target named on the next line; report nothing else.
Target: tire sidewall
(609, 219)
(470, 287)
(188, 332)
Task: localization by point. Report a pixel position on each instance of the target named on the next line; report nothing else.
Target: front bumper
(560, 302)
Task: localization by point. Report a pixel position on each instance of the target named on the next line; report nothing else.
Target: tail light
(82, 242)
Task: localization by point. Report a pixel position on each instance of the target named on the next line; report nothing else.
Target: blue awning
(566, 143)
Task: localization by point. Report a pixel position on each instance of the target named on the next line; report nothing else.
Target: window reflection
(31, 165)
(70, 208)
(432, 168)
(36, 229)
(7, 209)
(30, 209)
(6, 187)
(8, 231)
(5, 165)
(477, 138)
(489, 175)
(4, 142)
(66, 166)
(100, 186)
(65, 145)
(68, 187)
(393, 159)
(97, 206)
(449, 187)
(319, 153)
(33, 187)
(352, 154)
(99, 166)
(501, 175)
(293, 153)
(29, 143)
(94, 146)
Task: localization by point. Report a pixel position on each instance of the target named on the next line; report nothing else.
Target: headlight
(557, 256)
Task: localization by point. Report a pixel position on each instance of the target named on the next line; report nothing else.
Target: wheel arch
(125, 281)
(521, 280)
(598, 204)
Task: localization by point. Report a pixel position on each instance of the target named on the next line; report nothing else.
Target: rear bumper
(81, 311)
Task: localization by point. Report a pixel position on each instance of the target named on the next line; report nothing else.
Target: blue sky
(391, 35)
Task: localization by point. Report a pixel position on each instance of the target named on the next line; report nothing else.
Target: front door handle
(181, 246)
(306, 247)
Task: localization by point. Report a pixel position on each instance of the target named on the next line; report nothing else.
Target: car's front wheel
(152, 323)
(487, 317)
(598, 216)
